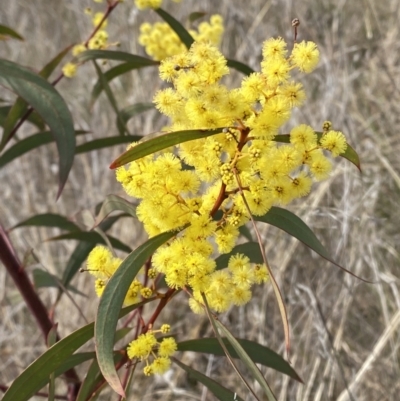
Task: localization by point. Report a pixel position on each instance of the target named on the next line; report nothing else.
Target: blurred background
(344, 332)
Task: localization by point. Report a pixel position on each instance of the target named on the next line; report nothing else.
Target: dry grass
(345, 333)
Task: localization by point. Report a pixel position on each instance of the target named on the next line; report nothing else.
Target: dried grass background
(345, 333)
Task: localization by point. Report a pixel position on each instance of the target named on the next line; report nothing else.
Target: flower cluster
(102, 264)
(146, 346)
(143, 4)
(160, 41)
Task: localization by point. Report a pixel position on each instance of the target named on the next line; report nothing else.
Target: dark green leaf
(57, 359)
(258, 353)
(245, 358)
(25, 145)
(18, 109)
(47, 70)
(33, 118)
(42, 278)
(161, 142)
(179, 29)
(106, 143)
(244, 230)
(6, 31)
(194, 16)
(138, 61)
(241, 67)
(128, 112)
(350, 154)
(111, 303)
(49, 220)
(217, 389)
(116, 72)
(250, 249)
(91, 236)
(113, 203)
(36, 91)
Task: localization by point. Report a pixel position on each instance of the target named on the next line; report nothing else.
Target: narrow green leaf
(48, 69)
(111, 303)
(194, 16)
(57, 359)
(111, 97)
(130, 111)
(244, 230)
(350, 154)
(106, 143)
(257, 352)
(6, 31)
(48, 103)
(113, 203)
(91, 236)
(49, 220)
(115, 72)
(241, 67)
(245, 358)
(161, 142)
(217, 389)
(250, 249)
(33, 118)
(42, 278)
(27, 144)
(138, 61)
(179, 29)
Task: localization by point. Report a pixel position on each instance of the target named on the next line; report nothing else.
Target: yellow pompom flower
(304, 136)
(305, 56)
(274, 48)
(160, 365)
(143, 4)
(78, 49)
(69, 70)
(165, 328)
(320, 167)
(97, 19)
(335, 142)
(167, 347)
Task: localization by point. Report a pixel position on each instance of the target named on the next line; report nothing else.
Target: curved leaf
(42, 278)
(57, 359)
(250, 249)
(47, 70)
(257, 352)
(6, 31)
(350, 154)
(179, 29)
(241, 67)
(27, 144)
(49, 220)
(161, 142)
(130, 111)
(91, 236)
(48, 103)
(33, 118)
(106, 143)
(217, 389)
(245, 358)
(113, 73)
(138, 61)
(111, 303)
(113, 203)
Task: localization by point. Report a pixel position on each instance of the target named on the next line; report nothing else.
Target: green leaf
(111, 97)
(49, 220)
(91, 236)
(6, 31)
(27, 144)
(113, 203)
(194, 16)
(33, 118)
(116, 72)
(244, 230)
(57, 359)
(130, 111)
(48, 69)
(241, 67)
(250, 249)
(257, 352)
(217, 389)
(106, 143)
(245, 358)
(350, 154)
(48, 103)
(138, 61)
(42, 278)
(111, 303)
(161, 142)
(179, 29)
